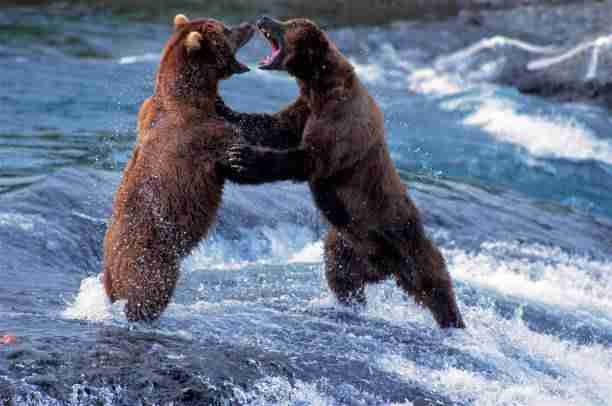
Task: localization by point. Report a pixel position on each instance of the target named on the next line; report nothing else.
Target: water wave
(534, 368)
(143, 58)
(542, 136)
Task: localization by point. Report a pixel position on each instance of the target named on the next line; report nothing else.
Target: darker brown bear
(376, 230)
(172, 185)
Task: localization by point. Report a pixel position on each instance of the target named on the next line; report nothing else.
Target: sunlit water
(516, 191)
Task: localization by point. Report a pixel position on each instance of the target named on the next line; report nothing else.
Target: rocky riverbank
(336, 12)
(445, 26)
(577, 66)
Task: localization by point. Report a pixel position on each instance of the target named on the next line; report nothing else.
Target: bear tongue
(268, 59)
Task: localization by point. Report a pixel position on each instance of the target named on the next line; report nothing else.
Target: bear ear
(180, 21)
(193, 41)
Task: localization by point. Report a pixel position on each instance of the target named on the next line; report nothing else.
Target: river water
(516, 190)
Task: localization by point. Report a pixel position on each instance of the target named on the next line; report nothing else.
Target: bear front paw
(241, 158)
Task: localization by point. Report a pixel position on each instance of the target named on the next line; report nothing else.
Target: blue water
(516, 190)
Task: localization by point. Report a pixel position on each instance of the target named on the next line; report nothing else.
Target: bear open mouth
(275, 43)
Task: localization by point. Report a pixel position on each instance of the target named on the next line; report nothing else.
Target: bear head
(199, 54)
(299, 47)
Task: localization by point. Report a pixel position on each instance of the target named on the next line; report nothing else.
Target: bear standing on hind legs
(376, 230)
(172, 186)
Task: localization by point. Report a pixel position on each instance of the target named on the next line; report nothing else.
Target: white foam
(387, 302)
(542, 136)
(430, 81)
(530, 368)
(579, 375)
(91, 302)
(187, 311)
(389, 69)
(22, 221)
(98, 220)
(538, 273)
(368, 72)
(132, 59)
(285, 243)
(325, 301)
(80, 395)
(279, 391)
(310, 254)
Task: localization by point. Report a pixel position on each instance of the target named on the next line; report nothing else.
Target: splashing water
(542, 136)
(91, 302)
(252, 320)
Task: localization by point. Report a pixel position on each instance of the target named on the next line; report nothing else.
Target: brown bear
(172, 185)
(375, 229)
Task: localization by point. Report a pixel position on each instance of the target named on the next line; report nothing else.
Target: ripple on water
(499, 360)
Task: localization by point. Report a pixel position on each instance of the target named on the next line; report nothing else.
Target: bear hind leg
(433, 289)
(148, 297)
(426, 278)
(108, 285)
(420, 270)
(345, 271)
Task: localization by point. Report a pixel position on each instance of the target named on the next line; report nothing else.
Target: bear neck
(180, 83)
(332, 79)
(178, 91)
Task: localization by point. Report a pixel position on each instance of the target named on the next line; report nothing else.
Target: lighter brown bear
(172, 185)
(375, 229)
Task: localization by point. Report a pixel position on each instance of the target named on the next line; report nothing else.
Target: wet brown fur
(376, 230)
(172, 185)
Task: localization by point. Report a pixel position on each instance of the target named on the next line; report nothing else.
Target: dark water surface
(515, 189)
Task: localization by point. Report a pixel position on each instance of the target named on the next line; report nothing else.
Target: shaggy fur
(172, 185)
(376, 230)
